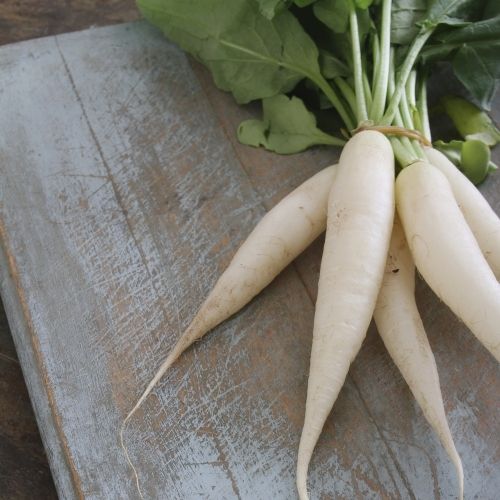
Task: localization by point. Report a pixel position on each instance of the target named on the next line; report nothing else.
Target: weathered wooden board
(123, 195)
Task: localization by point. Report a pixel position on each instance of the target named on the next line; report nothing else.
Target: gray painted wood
(123, 196)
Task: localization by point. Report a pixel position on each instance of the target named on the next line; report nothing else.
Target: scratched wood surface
(123, 195)
(23, 464)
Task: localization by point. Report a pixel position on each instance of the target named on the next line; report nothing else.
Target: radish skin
(282, 234)
(402, 331)
(359, 226)
(446, 253)
(483, 221)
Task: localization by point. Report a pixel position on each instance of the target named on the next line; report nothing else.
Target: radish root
(127, 456)
(352, 267)
(481, 218)
(402, 331)
(457, 273)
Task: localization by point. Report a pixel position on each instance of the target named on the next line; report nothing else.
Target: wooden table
(23, 463)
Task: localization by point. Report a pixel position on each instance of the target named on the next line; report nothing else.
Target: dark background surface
(23, 465)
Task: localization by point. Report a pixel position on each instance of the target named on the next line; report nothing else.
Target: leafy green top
(362, 59)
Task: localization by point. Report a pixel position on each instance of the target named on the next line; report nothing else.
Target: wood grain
(125, 195)
(26, 19)
(23, 465)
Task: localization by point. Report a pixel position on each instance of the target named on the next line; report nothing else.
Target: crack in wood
(111, 180)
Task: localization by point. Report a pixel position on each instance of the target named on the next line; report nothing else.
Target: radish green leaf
(287, 127)
(470, 121)
(269, 8)
(247, 54)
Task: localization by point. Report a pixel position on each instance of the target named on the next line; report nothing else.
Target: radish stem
(361, 110)
(403, 74)
(423, 109)
(382, 67)
(346, 91)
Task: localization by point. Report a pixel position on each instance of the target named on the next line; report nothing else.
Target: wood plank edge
(35, 373)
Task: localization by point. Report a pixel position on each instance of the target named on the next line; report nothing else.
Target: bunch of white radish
(392, 203)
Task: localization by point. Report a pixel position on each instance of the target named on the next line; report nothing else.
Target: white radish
(446, 252)
(359, 223)
(282, 234)
(400, 326)
(483, 221)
